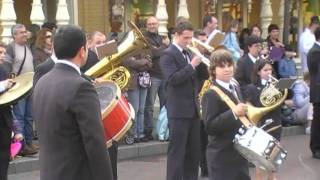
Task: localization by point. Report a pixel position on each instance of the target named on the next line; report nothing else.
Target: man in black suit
(183, 74)
(71, 135)
(314, 70)
(245, 63)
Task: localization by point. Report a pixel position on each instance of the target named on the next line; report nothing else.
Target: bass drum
(116, 112)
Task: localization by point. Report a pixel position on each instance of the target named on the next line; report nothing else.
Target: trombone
(196, 51)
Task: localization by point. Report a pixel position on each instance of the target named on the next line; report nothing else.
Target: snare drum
(116, 112)
(260, 148)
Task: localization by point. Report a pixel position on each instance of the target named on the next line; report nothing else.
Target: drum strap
(231, 104)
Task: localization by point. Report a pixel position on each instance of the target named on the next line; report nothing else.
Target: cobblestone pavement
(298, 166)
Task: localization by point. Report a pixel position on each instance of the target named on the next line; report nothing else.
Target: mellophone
(116, 111)
(253, 143)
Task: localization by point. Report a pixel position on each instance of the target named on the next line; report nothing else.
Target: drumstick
(272, 129)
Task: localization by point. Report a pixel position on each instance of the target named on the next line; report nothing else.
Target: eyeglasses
(48, 36)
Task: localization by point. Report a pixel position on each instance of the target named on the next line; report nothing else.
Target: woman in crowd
(43, 46)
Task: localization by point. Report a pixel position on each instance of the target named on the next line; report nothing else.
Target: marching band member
(260, 78)
(221, 122)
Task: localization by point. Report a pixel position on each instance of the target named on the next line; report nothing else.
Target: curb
(126, 152)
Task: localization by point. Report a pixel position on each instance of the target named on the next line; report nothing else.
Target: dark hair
(219, 58)
(181, 19)
(205, 20)
(272, 27)
(234, 23)
(258, 65)
(255, 26)
(49, 25)
(198, 33)
(317, 33)
(68, 40)
(245, 32)
(252, 39)
(182, 26)
(314, 20)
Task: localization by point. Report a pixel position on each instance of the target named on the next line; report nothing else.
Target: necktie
(185, 54)
(233, 91)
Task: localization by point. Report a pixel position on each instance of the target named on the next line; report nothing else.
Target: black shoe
(316, 155)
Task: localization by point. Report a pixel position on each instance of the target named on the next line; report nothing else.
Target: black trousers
(113, 154)
(5, 141)
(204, 144)
(184, 149)
(315, 129)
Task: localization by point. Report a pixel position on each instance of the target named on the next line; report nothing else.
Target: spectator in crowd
(314, 70)
(138, 85)
(19, 60)
(300, 101)
(276, 48)
(210, 27)
(94, 39)
(306, 41)
(5, 118)
(256, 30)
(245, 32)
(32, 31)
(183, 75)
(157, 83)
(50, 25)
(43, 46)
(245, 64)
(231, 40)
(287, 67)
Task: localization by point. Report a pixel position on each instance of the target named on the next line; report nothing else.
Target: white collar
(253, 59)
(54, 58)
(317, 42)
(69, 63)
(225, 85)
(180, 48)
(263, 82)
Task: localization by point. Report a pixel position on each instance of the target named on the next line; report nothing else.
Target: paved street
(298, 166)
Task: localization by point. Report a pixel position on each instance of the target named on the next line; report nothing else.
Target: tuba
(109, 67)
(270, 97)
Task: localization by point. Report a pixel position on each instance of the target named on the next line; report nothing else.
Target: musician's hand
(98, 80)
(278, 44)
(196, 60)
(166, 41)
(240, 110)
(8, 83)
(18, 137)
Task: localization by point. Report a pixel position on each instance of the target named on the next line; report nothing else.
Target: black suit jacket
(182, 83)
(313, 60)
(71, 135)
(221, 126)
(252, 95)
(244, 71)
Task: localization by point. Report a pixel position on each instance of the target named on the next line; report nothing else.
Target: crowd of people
(66, 110)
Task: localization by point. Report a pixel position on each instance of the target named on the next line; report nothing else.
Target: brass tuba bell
(109, 67)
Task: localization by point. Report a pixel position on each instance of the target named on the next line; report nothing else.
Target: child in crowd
(222, 123)
(260, 79)
(287, 67)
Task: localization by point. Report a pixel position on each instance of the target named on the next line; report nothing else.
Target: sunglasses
(48, 36)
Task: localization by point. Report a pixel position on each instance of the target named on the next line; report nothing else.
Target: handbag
(144, 79)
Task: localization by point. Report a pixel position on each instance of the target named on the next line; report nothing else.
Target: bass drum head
(108, 93)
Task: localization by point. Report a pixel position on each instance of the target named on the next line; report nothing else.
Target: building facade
(111, 15)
